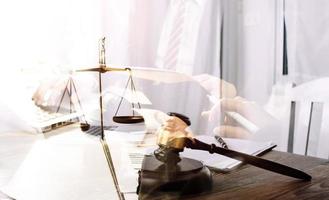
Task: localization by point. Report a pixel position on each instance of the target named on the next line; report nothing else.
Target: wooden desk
(248, 182)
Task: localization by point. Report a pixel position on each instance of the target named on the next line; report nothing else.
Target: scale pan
(128, 119)
(84, 127)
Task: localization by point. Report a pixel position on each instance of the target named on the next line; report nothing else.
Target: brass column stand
(103, 69)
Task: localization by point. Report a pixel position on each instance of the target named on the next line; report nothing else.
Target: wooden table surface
(246, 182)
(249, 182)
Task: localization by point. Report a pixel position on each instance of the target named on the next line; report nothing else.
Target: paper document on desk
(64, 166)
(128, 155)
(222, 162)
(127, 151)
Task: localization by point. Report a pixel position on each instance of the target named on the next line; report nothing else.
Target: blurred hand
(174, 124)
(247, 109)
(49, 92)
(217, 89)
(223, 96)
(174, 128)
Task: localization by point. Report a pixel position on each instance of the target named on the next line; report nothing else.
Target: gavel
(170, 147)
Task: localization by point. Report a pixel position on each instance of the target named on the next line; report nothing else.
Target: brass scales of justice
(119, 119)
(165, 171)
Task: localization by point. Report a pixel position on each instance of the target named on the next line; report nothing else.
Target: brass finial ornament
(102, 60)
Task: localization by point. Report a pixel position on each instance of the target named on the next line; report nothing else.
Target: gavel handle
(252, 160)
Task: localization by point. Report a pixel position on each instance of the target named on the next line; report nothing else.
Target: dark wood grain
(249, 182)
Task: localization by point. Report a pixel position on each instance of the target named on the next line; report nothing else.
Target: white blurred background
(240, 41)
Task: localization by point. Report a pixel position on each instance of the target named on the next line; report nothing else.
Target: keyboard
(96, 130)
(47, 120)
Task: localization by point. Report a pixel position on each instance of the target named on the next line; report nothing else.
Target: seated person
(256, 123)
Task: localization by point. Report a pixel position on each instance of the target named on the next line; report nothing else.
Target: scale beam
(104, 69)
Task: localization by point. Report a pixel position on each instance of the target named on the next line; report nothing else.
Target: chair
(307, 111)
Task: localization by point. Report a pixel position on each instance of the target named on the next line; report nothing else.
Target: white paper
(70, 166)
(127, 165)
(127, 155)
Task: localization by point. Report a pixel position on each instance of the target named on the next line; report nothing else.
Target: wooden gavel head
(171, 143)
